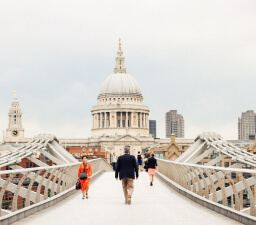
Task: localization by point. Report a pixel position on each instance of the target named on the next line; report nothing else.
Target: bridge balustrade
(22, 188)
(226, 186)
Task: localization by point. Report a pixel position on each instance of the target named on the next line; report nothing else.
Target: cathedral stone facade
(120, 108)
(119, 120)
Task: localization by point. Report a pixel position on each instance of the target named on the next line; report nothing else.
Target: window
(30, 165)
(83, 149)
(233, 175)
(95, 150)
(90, 149)
(226, 164)
(159, 155)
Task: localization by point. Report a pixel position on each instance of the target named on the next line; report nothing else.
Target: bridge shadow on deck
(155, 205)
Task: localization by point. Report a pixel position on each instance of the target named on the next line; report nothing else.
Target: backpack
(139, 157)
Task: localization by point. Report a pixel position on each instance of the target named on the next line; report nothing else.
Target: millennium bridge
(184, 192)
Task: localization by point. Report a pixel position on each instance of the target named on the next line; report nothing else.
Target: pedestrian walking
(152, 166)
(84, 176)
(147, 154)
(125, 168)
(114, 160)
(146, 157)
(139, 161)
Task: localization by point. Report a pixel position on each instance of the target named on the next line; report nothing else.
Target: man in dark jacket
(126, 166)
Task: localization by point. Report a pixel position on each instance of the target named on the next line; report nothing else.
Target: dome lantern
(120, 68)
(120, 83)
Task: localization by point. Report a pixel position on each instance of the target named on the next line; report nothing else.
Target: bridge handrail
(219, 184)
(211, 167)
(20, 188)
(44, 167)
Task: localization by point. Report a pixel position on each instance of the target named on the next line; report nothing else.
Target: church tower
(15, 131)
(120, 68)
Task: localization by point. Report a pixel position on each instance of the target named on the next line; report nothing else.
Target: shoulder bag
(83, 175)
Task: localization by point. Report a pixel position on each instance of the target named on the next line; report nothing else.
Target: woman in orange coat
(85, 167)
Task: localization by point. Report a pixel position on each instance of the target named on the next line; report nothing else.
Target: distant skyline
(197, 57)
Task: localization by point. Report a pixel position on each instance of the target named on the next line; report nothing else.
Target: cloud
(194, 56)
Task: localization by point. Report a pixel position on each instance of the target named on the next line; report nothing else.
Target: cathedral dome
(120, 83)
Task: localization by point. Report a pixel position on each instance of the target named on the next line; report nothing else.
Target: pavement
(157, 204)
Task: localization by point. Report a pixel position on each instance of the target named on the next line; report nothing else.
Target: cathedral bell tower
(120, 68)
(15, 131)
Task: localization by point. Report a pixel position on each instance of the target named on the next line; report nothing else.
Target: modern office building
(174, 124)
(246, 125)
(152, 127)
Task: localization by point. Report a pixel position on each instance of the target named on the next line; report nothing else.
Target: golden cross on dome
(15, 94)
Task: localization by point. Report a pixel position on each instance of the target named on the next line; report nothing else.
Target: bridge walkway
(154, 205)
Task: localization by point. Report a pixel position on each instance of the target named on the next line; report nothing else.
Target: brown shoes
(129, 201)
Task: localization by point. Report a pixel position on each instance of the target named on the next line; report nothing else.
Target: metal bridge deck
(150, 205)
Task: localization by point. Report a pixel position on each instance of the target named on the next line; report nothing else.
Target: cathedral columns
(140, 120)
(105, 118)
(121, 119)
(116, 120)
(126, 120)
(147, 125)
(100, 120)
(131, 119)
(108, 119)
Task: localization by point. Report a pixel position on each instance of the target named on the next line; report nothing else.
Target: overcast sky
(198, 57)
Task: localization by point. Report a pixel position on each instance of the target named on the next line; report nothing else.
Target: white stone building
(119, 119)
(120, 108)
(15, 130)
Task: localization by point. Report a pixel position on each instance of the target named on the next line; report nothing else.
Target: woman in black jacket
(152, 166)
